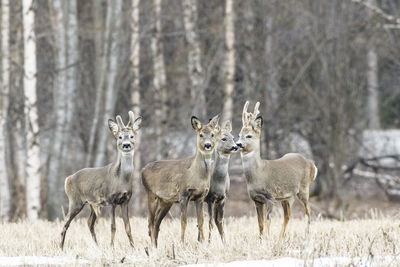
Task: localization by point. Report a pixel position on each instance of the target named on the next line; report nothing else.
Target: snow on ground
(325, 262)
(38, 260)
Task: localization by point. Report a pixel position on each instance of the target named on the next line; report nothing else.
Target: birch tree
(372, 81)
(5, 67)
(60, 95)
(135, 97)
(227, 109)
(114, 14)
(159, 80)
(194, 57)
(31, 113)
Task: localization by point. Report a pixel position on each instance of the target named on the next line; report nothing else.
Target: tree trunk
(101, 46)
(194, 59)
(272, 85)
(372, 81)
(5, 68)
(31, 114)
(114, 13)
(227, 109)
(60, 94)
(135, 98)
(159, 80)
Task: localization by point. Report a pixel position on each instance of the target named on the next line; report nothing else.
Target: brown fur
(109, 185)
(180, 181)
(282, 179)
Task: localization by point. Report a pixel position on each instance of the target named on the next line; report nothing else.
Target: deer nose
(234, 148)
(126, 145)
(207, 145)
(240, 145)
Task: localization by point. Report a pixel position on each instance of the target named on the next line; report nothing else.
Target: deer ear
(214, 121)
(258, 122)
(196, 123)
(137, 124)
(113, 127)
(228, 126)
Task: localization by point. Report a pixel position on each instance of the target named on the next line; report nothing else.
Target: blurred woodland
(327, 74)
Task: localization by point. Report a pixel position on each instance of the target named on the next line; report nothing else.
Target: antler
(120, 122)
(131, 118)
(244, 115)
(256, 111)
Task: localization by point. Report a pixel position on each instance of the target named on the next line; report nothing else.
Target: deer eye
(212, 135)
(201, 135)
(131, 136)
(224, 139)
(120, 137)
(249, 136)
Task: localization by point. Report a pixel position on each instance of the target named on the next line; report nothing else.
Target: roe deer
(180, 181)
(268, 180)
(109, 185)
(219, 184)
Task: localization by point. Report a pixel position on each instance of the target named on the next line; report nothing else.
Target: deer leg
(184, 204)
(304, 200)
(267, 216)
(260, 216)
(219, 219)
(200, 219)
(152, 207)
(210, 205)
(125, 218)
(286, 211)
(161, 212)
(73, 211)
(113, 227)
(91, 221)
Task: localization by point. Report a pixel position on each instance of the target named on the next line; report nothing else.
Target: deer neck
(124, 164)
(251, 162)
(203, 161)
(221, 165)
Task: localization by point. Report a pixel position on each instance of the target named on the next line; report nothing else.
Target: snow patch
(38, 260)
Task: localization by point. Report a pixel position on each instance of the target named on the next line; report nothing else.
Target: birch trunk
(194, 60)
(159, 80)
(72, 77)
(372, 82)
(227, 109)
(5, 68)
(60, 94)
(272, 88)
(114, 13)
(135, 98)
(101, 46)
(31, 114)
(249, 45)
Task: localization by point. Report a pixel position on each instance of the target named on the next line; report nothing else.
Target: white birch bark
(60, 94)
(227, 109)
(194, 59)
(372, 82)
(159, 80)
(5, 68)
(251, 74)
(135, 98)
(31, 113)
(111, 84)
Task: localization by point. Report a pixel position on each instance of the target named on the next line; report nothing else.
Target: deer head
(125, 134)
(249, 136)
(206, 134)
(225, 141)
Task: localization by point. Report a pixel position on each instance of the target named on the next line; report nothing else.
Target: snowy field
(364, 242)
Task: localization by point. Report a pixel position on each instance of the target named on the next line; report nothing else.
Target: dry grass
(357, 238)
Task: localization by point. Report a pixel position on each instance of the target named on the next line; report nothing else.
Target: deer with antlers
(219, 184)
(180, 181)
(268, 181)
(109, 185)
